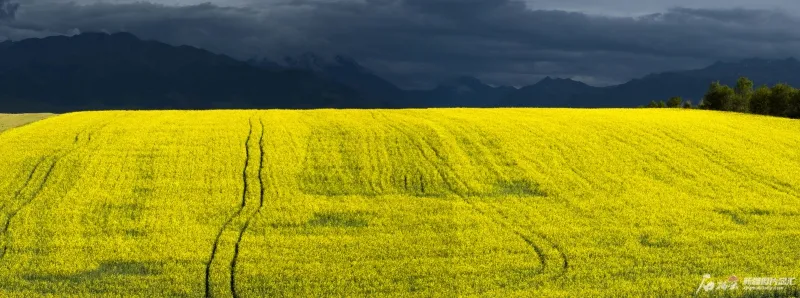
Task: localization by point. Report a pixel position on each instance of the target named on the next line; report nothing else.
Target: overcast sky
(416, 43)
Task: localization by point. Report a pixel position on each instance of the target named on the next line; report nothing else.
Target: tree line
(781, 100)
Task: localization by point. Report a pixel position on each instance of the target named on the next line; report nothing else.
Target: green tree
(652, 104)
(744, 92)
(794, 106)
(744, 86)
(740, 103)
(759, 102)
(779, 99)
(718, 97)
(661, 104)
(687, 104)
(674, 102)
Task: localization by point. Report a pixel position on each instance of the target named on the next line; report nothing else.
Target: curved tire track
(24, 185)
(252, 215)
(36, 167)
(25, 203)
(544, 260)
(537, 248)
(562, 255)
(230, 220)
(564, 260)
(56, 158)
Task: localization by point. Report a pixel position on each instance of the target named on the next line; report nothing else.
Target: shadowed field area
(437, 202)
(8, 121)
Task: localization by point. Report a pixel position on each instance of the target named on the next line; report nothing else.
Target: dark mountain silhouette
(463, 91)
(467, 91)
(759, 70)
(265, 64)
(347, 71)
(94, 71)
(550, 92)
(690, 84)
(120, 71)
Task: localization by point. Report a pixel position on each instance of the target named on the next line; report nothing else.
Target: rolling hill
(419, 203)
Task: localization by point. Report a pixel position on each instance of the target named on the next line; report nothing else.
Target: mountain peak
(321, 64)
(124, 35)
(463, 84)
(349, 64)
(264, 63)
(470, 81)
(346, 60)
(105, 35)
(307, 61)
(548, 81)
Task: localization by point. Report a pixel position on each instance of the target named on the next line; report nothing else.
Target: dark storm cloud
(8, 9)
(417, 42)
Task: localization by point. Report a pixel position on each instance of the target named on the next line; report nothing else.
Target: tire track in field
(710, 153)
(56, 158)
(544, 260)
(252, 215)
(33, 171)
(24, 185)
(564, 262)
(413, 141)
(230, 220)
(484, 139)
(537, 248)
(7, 220)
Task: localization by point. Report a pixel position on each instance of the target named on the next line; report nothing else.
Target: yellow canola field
(396, 203)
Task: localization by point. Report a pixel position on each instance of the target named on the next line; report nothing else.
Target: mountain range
(95, 71)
